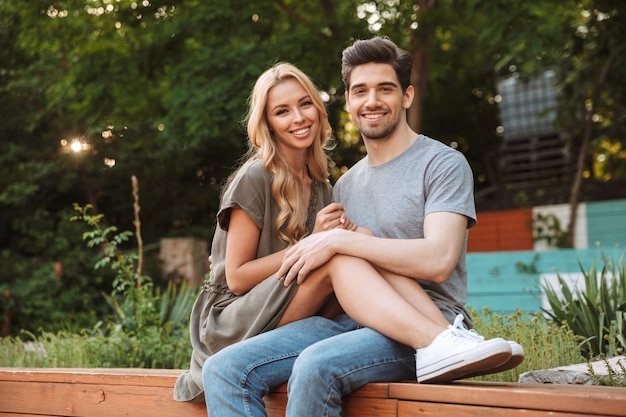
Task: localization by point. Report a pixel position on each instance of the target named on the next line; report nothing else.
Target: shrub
(149, 327)
(596, 313)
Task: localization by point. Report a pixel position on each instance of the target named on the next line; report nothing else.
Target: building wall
(505, 262)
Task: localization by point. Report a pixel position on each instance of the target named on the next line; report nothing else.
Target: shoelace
(458, 330)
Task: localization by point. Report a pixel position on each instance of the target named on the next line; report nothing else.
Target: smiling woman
(269, 203)
(294, 120)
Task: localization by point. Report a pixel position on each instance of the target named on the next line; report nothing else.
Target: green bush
(149, 327)
(596, 313)
(546, 344)
(50, 286)
(113, 348)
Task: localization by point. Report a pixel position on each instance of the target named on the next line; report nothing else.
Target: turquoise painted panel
(506, 281)
(606, 223)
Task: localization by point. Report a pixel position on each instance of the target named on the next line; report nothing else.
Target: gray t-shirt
(394, 198)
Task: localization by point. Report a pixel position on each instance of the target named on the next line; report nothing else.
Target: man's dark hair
(378, 50)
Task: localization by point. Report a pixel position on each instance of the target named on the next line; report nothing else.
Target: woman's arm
(243, 269)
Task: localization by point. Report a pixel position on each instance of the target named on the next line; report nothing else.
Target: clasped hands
(318, 248)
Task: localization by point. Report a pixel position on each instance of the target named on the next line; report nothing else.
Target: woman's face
(292, 116)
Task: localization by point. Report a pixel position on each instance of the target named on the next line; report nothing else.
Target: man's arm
(432, 258)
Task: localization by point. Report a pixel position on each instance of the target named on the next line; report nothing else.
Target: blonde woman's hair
(287, 186)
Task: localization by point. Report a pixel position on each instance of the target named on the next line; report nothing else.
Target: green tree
(97, 91)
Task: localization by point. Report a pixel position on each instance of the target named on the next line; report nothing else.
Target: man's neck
(380, 151)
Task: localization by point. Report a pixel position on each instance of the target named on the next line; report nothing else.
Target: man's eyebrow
(381, 84)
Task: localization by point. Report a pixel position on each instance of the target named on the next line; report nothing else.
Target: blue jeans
(321, 359)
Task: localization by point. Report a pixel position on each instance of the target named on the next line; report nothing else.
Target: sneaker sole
(517, 357)
(489, 355)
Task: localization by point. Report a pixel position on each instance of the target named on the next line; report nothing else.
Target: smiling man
(416, 195)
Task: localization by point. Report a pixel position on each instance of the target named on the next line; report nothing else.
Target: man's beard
(380, 132)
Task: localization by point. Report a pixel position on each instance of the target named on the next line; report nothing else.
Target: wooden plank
(275, 403)
(23, 415)
(143, 392)
(93, 400)
(425, 409)
(108, 376)
(369, 407)
(582, 399)
(369, 401)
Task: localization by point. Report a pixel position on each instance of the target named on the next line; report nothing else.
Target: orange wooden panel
(92, 400)
(275, 404)
(505, 230)
(369, 407)
(425, 409)
(23, 415)
(139, 393)
(369, 401)
(108, 376)
(582, 399)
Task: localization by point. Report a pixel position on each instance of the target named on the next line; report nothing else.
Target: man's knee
(311, 365)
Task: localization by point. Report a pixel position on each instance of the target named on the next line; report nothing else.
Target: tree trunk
(580, 163)
(420, 41)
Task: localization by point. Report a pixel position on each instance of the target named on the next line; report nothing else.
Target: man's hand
(308, 254)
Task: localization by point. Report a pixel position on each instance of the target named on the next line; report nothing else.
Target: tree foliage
(93, 92)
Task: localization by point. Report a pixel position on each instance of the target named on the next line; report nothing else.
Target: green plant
(613, 378)
(46, 350)
(49, 286)
(546, 344)
(597, 312)
(150, 326)
(549, 229)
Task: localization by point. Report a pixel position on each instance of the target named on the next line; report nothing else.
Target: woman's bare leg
(374, 302)
(314, 297)
(394, 305)
(413, 292)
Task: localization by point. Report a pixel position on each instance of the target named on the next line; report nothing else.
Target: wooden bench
(148, 392)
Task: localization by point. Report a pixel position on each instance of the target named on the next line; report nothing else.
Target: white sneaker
(517, 355)
(456, 354)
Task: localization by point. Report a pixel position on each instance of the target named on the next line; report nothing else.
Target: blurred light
(75, 145)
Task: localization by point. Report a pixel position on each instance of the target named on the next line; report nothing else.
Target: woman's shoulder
(252, 172)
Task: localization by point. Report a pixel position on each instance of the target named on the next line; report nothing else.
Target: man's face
(376, 101)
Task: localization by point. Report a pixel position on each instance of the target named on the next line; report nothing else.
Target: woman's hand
(332, 216)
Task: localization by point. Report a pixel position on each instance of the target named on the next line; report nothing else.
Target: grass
(67, 350)
(49, 350)
(545, 344)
